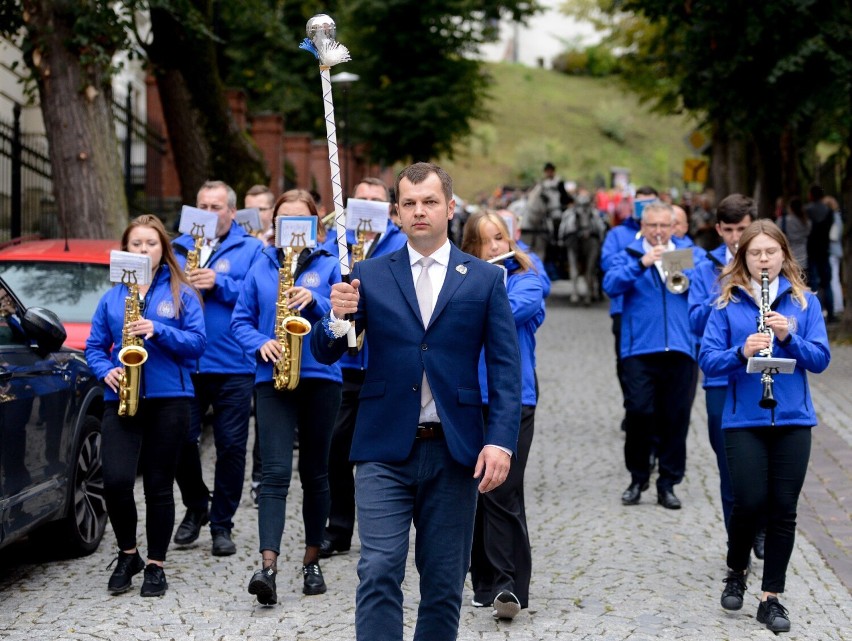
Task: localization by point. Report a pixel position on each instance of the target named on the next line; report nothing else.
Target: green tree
(68, 48)
(418, 92)
(205, 139)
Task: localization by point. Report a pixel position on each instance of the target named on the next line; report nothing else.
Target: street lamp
(345, 80)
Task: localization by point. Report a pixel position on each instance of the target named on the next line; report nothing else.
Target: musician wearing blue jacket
(501, 558)
(767, 447)
(657, 354)
(421, 446)
(616, 240)
(222, 377)
(733, 216)
(341, 516)
(312, 405)
(171, 324)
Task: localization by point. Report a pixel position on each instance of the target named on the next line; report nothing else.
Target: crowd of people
(426, 422)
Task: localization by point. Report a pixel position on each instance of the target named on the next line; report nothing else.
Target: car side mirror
(45, 328)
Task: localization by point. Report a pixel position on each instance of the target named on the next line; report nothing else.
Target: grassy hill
(583, 125)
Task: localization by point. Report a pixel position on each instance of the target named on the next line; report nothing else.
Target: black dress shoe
(314, 583)
(222, 543)
(668, 500)
(759, 544)
(191, 525)
(330, 548)
(633, 493)
(262, 585)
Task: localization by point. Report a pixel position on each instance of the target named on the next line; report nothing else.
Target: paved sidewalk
(601, 571)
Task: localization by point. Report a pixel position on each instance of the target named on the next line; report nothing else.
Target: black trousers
(767, 467)
(152, 440)
(501, 558)
(341, 481)
(658, 403)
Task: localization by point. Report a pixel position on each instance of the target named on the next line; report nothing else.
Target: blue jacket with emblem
(653, 319)
(526, 298)
(172, 350)
(614, 243)
(721, 355)
(231, 259)
(703, 292)
(253, 322)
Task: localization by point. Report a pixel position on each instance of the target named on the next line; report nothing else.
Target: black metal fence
(27, 202)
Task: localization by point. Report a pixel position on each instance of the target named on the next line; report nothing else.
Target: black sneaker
(155, 581)
(126, 565)
(732, 595)
(773, 614)
(262, 585)
(314, 583)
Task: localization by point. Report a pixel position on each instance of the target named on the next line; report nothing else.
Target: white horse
(582, 231)
(540, 219)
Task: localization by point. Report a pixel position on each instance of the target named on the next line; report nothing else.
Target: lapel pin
(461, 269)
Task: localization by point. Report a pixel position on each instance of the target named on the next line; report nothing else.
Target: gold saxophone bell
(290, 328)
(132, 358)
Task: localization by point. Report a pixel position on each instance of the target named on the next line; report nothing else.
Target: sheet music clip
(760, 364)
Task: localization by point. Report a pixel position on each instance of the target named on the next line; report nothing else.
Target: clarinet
(767, 401)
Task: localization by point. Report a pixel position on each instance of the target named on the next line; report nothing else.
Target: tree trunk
(205, 139)
(768, 186)
(77, 107)
(729, 167)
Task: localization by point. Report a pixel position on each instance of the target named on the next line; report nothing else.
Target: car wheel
(80, 531)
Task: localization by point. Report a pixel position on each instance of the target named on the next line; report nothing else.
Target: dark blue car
(51, 483)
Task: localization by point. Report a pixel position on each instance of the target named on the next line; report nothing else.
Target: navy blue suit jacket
(472, 312)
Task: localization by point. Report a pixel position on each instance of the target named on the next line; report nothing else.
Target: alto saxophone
(193, 255)
(290, 328)
(132, 354)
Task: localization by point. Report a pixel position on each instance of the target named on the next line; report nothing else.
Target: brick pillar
(161, 179)
(297, 151)
(237, 103)
(321, 173)
(267, 130)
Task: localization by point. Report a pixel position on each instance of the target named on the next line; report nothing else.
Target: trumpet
(674, 264)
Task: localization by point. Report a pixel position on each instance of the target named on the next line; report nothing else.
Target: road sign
(697, 141)
(695, 170)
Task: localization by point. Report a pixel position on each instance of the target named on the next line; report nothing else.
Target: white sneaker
(506, 606)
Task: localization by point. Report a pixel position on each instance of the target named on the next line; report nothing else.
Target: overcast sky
(545, 36)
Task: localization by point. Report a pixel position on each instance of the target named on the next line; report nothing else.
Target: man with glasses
(657, 352)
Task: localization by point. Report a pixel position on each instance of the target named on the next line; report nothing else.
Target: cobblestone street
(601, 571)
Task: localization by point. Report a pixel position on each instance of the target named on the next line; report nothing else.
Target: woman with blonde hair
(767, 448)
(501, 559)
(171, 324)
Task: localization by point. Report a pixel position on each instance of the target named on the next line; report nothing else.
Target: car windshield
(70, 290)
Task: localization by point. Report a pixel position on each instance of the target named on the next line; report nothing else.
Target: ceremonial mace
(321, 32)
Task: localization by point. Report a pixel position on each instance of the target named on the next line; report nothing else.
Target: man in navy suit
(421, 447)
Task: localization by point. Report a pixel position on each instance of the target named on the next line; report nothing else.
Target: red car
(67, 278)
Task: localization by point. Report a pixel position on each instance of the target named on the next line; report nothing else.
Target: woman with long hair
(501, 559)
(767, 448)
(171, 324)
(312, 405)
